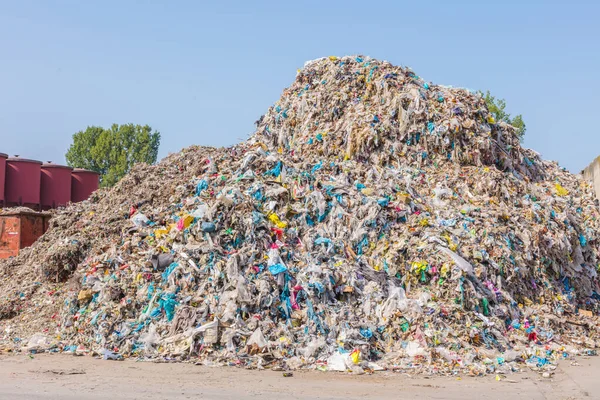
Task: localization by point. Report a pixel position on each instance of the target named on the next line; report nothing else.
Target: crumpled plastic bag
(38, 341)
(150, 339)
(140, 220)
(337, 362)
(460, 262)
(414, 349)
(257, 338)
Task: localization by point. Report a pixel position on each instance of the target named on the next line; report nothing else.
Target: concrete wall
(592, 174)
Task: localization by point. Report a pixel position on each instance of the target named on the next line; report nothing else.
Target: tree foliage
(112, 152)
(498, 109)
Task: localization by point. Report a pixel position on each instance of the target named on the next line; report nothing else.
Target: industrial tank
(3, 158)
(83, 184)
(22, 186)
(55, 185)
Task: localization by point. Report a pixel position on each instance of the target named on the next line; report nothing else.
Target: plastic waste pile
(373, 221)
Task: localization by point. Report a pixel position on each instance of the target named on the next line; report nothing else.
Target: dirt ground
(65, 377)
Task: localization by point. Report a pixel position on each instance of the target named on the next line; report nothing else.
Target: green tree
(497, 108)
(112, 152)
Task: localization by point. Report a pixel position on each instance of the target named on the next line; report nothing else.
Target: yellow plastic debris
(561, 191)
(367, 191)
(275, 219)
(445, 269)
(85, 295)
(355, 356)
(187, 221)
(159, 233)
(419, 266)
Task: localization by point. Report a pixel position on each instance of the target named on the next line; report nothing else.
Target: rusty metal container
(3, 158)
(83, 184)
(55, 185)
(22, 186)
(19, 230)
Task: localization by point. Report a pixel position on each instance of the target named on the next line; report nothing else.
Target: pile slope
(372, 220)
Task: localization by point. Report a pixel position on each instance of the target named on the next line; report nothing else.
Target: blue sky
(203, 72)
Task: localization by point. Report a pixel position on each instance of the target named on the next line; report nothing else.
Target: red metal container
(83, 184)
(3, 158)
(19, 230)
(55, 185)
(22, 186)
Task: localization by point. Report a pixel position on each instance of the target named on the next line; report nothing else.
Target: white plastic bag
(414, 349)
(337, 362)
(150, 339)
(313, 346)
(461, 262)
(257, 338)
(38, 342)
(140, 220)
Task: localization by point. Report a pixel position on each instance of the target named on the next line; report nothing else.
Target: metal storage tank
(3, 158)
(55, 185)
(22, 186)
(83, 184)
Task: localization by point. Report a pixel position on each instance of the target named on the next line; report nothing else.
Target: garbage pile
(373, 221)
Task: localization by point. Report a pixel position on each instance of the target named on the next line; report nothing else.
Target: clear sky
(203, 72)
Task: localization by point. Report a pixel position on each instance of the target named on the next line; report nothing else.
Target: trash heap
(374, 220)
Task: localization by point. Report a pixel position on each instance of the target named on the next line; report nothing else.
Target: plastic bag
(337, 362)
(414, 349)
(211, 332)
(355, 356)
(208, 227)
(150, 339)
(257, 338)
(38, 341)
(140, 220)
(200, 212)
(448, 355)
(312, 347)
(110, 355)
(460, 262)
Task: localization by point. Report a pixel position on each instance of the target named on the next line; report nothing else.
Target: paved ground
(45, 377)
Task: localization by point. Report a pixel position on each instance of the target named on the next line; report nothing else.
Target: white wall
(592, 174)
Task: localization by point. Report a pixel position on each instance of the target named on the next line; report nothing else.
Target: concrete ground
(45, 377)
